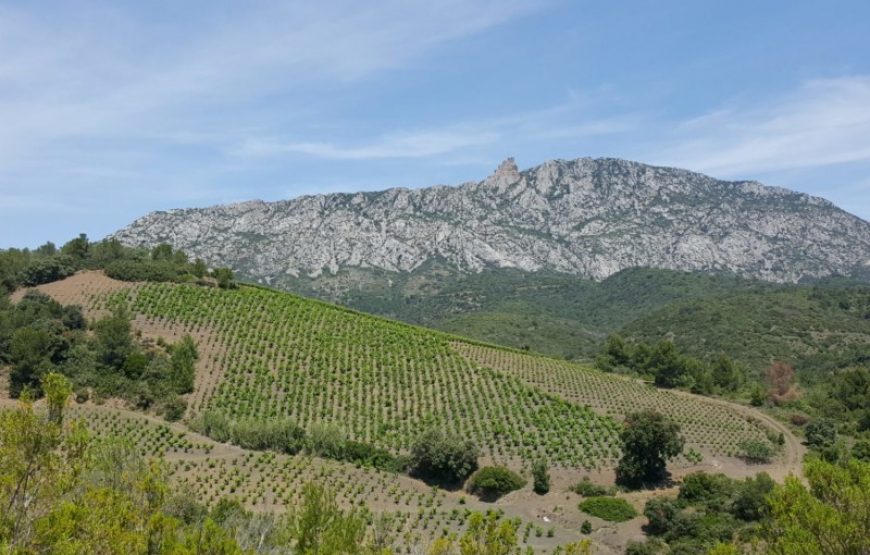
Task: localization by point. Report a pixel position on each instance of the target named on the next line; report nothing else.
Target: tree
(441, 457)
(487, 536)
(727, 375)
(184, 356)
(57, 391)
(649, 440)
(27, 349)
(668, 366)
(113, 337)
(821, 433)
(225, 278)
(163, 251)
(77, 248)
(780, 382)
(199, 269)
(540, 477)
(828, 518)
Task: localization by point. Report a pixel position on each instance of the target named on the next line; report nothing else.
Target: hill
(808, 325)
(265, 356)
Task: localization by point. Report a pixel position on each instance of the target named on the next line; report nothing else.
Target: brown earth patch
(83, 289)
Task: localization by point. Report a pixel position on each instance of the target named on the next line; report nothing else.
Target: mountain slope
(585, 217)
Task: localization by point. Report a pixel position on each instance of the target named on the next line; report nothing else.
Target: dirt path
(789, 461)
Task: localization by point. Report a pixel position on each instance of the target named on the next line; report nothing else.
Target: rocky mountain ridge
(586, 217)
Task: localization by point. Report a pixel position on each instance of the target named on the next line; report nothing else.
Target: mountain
(584, 217)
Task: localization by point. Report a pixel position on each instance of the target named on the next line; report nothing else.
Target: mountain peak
(586, 217)
(505, 174)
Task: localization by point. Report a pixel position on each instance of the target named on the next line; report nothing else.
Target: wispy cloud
(100, 72)
(569, 120)
(401, 145)
(824, 122)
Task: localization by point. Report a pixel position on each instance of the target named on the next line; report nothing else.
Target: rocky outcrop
(589, 217)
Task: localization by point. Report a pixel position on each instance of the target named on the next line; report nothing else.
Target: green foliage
(649, 440)
(45, 270)
(706, 489)
(280, 434)
(587, 488)
(586, 527)
(320, 527)
(829, 518)
(750, 501)
(540, 477)
(330, 442)
(442, 457)
(710, 509)
(492, 482)
(611, 509)
(57, 390)
(861, 450)
(183, 356)
(821, 433)
(757, 451)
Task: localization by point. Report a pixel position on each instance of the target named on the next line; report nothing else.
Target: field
(266, 354)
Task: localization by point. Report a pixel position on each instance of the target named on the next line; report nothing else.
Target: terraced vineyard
(708, 426)
(384, 382)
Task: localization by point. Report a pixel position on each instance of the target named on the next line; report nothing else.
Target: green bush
(491, 482)
(541, 477)
(443, 458)
(173, 408)
(608, 508)
(586, 488)
(756, 451)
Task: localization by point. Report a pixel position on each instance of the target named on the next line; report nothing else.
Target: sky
(110, 110)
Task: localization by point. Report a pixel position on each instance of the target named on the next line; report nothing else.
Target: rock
(588, 217)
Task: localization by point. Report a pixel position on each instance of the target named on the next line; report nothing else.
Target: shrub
(586, 488)
(661, 514)
(756, 451)
(541, 477)
(586, 527)
(491, 482)
(750, 503)
(282, 435)
(173, 409)
(709, 489)
(608, 508)
(143, 270)
(443, 458)
(821, 433)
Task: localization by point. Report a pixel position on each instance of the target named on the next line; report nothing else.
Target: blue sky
(111, 110)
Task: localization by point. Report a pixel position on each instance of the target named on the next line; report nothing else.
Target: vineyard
(404, 511)
(707, 426)
(384, 383)
(266, 355)
(273, 354)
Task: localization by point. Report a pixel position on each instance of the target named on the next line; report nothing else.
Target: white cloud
(401, 145)
(92, 71)
(825, 122)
